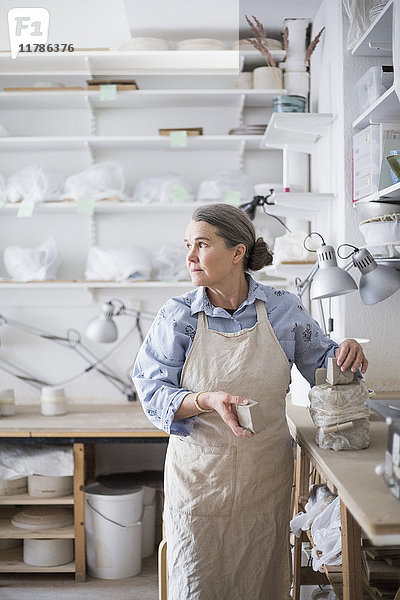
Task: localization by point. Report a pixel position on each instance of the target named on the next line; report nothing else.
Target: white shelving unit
(296, 131)
(376, 41)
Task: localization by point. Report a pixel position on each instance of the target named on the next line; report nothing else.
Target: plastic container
(7, 402)
(52, 401)
(289, 104)
(48, 486)
(113, 531)
(48, 553)
(372, 85)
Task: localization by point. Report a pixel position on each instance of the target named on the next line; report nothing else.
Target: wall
(334, 72)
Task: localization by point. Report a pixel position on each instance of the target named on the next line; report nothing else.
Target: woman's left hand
(350, 354)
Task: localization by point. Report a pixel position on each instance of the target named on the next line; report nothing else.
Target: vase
(297, 83)
(267, 78)
(296, 52)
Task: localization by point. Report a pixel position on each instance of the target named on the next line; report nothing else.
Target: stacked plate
(249, 130)
(201, 44)
(376, 10)
(136, 44)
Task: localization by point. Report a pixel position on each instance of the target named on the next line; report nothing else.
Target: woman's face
(209, 260)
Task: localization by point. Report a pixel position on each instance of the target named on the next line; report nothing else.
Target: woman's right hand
(225, 405)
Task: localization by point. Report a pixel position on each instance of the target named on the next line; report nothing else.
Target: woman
(227, 491)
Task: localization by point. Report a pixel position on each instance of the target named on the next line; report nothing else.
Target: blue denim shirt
(160, 360)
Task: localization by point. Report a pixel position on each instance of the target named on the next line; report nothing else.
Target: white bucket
(113, 531)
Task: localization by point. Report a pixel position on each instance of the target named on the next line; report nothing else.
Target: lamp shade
(103, 328)
(330, 280)
(377, 282)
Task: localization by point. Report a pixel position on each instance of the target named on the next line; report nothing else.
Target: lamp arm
(302, 286)
(26, 377)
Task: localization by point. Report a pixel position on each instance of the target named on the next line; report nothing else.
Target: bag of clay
(106, 263)
(103, 181)
(163, 189)
(32, 264)
(233, 187)
(169, 264)
(35, 184)
(341, 415)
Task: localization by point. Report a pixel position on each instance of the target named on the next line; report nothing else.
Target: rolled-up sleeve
(158, 367)
(312, 347)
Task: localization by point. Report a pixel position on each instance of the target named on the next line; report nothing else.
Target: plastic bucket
(113, 531)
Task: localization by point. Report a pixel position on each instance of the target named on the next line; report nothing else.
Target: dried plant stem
(261, 44)
(311, 45)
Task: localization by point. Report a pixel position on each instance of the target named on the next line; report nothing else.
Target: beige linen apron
(227, 499)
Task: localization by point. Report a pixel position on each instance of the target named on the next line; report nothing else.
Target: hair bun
(260, 255)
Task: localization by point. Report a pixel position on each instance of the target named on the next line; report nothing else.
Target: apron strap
(202, 321)
(261, 311)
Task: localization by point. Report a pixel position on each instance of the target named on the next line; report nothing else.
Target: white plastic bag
(358, 13)
(327, 537)
(289, 248)
(97, 182)
(169, 263)
(303, 520)
(41, 459)
(163, 189)
(35, 184)
(117, 263)
(230, 186)
(32, 264)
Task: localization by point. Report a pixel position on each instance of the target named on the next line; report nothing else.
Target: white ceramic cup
(52, 401)
(7, 402)
(244, 80)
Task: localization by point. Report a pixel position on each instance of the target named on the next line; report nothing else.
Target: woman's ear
(240, 251)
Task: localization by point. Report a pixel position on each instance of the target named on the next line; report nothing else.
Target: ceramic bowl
(201, 44)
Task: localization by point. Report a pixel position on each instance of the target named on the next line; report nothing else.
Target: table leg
(351, 555)
(302, 475)
(79, 509)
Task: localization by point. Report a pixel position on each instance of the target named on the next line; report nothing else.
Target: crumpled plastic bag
(97, 182)
(32, 264)
(108, 263)
(289, 248)
(41, 459)
(327, 537)
(168, 263)
(35, 184)
(163, 189)
(233, 187)
(358, 13)
(303, 520)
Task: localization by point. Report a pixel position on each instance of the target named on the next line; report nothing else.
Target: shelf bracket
(242, 100)
(242, 148)
(89, 149)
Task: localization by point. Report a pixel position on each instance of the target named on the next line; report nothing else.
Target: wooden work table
(82, 426)
(366, 501)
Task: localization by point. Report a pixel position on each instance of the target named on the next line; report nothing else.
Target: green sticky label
(178, 139)
(108, 92)
(180, 194)
(2, 203)
(232, 197)
(26, 209)
(85, 206)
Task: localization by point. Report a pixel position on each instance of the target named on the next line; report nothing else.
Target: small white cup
(7, 402)
(52, 401)
(244, 80)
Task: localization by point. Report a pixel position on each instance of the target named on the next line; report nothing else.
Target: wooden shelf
(11, 562)
(8, 531)
(379, 31)
(31, 500)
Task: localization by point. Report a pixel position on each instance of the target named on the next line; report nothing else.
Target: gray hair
(235, 227)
